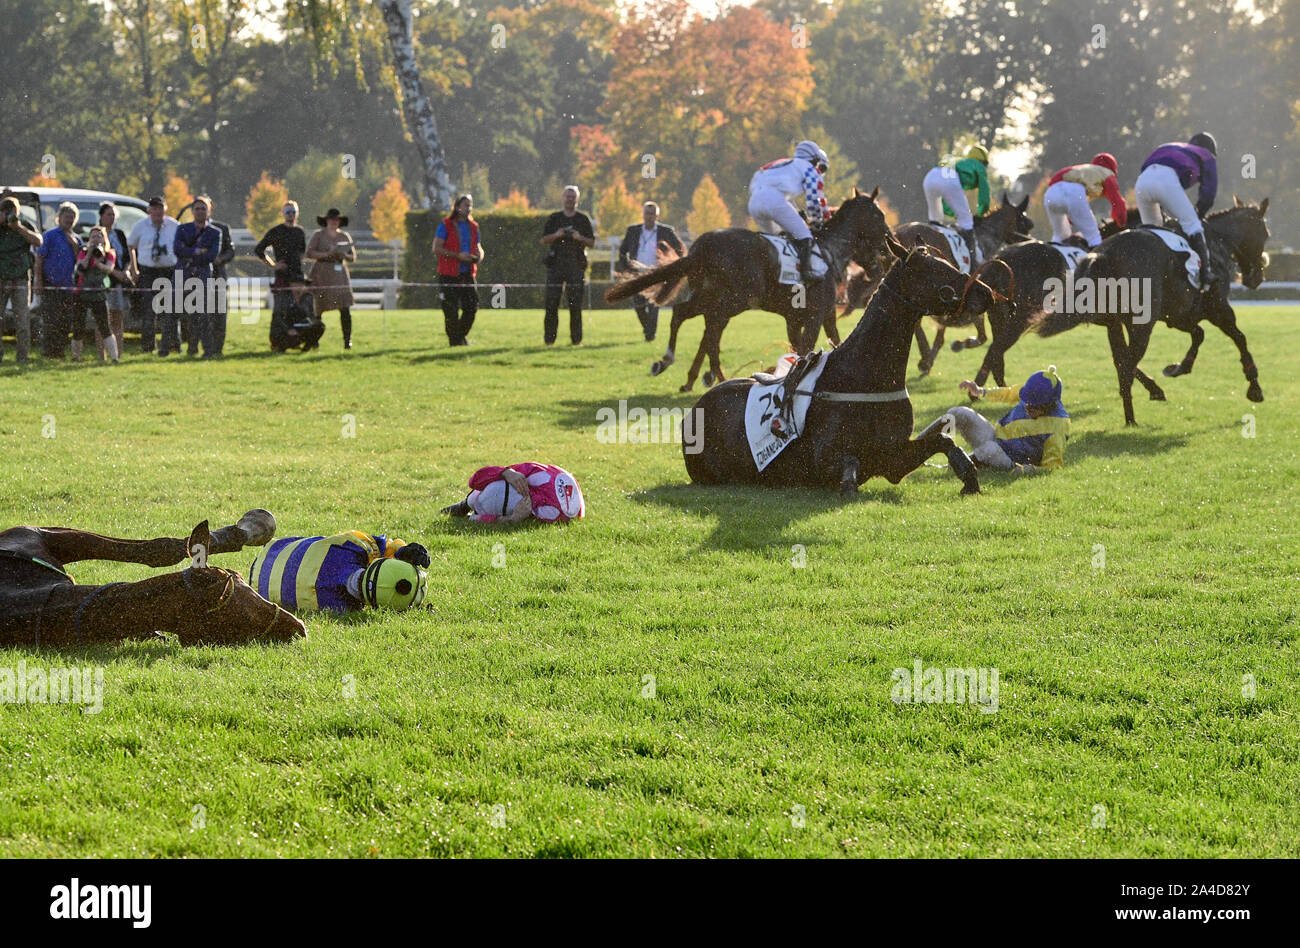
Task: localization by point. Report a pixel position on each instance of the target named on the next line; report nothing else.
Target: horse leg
(1119, 356)
(849, 466)
(67, 545)
(975, 341)
(905, 457)
(1225, 318)
(923, 347)
(1185, 367)
(938, 345)
(1139, 337)
(712, 343)
(681, 312)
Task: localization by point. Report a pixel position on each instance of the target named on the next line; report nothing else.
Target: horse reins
(997, 297)
(85, 604)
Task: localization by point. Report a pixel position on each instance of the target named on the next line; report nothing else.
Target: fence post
(390, 294)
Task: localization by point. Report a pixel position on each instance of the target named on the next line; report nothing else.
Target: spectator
(457, 247)
(643, 243)
(96, 270)
(153, 259)
(16, 241)
(117, 296)
(568, 233)
(56, 266)
(198, 245)
(331, 250)
(218, 317)
(291, 326)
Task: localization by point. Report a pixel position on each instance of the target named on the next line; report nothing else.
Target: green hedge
(1283, 267)
(512, 254)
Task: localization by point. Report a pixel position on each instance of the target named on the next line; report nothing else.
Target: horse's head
(936, 287)
(1008, 221)
(1251, 234)
(861, 222)
(215, 606)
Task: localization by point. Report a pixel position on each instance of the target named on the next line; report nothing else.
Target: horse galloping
(732, 270)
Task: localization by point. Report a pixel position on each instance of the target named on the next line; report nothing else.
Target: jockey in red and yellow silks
(1069, 191)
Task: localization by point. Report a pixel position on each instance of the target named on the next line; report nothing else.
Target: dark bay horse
(859, 424)
(40, 605)
(1005, 224)
(733, 269)
(1235, 238)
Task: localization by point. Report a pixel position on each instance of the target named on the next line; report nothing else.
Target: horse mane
(1228, 211)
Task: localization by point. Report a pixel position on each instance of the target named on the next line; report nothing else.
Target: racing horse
(40, 605)
(732, 270)
(1236, 235)
(859, 424)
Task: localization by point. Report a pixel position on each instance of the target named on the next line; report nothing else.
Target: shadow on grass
(580, 414)
(1127, 441)
(748, 517)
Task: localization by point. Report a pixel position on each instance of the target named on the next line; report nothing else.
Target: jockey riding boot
(459, 509)
(1208, 275)
(804, 246)
(969, 237)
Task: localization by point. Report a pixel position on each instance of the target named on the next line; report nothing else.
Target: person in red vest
(458, 250)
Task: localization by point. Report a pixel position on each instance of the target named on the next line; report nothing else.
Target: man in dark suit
(642, 243)
(219, 272)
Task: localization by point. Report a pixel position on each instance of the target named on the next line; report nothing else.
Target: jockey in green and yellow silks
(946, 185)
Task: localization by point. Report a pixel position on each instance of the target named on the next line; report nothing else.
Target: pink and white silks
(553, 493)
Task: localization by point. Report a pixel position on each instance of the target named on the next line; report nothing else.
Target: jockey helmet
(1042, 389)
(393, 584)
(979, 153)
(1204, 140)
(809, 151)
(1106, 160)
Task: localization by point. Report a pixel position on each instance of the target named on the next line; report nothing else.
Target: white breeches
(1066, 203)
(980, 434)
(1158, 189)
(943, 184)
(773, 213)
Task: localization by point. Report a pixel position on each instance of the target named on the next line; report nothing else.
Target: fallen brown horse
(41, 606)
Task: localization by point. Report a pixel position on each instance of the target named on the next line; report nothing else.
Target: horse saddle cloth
(960, 252)
(775, 411)
(1071, 253)
(1178, 244)
(789, 258)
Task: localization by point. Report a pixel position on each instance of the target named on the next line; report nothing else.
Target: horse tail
(1051, 324)
(669, 275)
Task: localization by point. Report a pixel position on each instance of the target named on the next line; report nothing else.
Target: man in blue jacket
(197, 246)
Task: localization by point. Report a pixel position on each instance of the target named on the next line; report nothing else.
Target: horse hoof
(1158, 396)
(924, 370)
(708, 379)
(258, 526)
(1255, 393)
(969, 489)
(1173, 371)
(657, 368)
(958, 346)
(974, 342)
(685, 388)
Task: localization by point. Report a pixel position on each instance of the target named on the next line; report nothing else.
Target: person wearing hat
(152, 241)
(945, 188)
(341, 573)
(801, 178)
(16, 243)
(1069, 191)
(1161, 189)
(331, 250)
(291, 326)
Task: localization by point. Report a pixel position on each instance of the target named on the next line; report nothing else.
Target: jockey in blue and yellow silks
(328, 573)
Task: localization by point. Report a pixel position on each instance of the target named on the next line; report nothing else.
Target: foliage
(616, 209)
(176, 192)
(388, 210)
(264, 203)
(317, 182)
(708, 210)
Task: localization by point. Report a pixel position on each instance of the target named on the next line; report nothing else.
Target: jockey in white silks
(778, 183)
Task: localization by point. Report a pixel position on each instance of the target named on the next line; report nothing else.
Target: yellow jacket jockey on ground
(340, 573)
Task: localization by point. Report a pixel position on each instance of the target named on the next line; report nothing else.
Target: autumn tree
(321, 180)
(388, 210)
(516, 202)
(616, 208)
(265, 200)
(708, 210)
(176, 192)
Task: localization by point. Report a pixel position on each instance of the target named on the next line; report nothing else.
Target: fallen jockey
(515, 493)
(341, 573)
(779, 182)
(1030, 438)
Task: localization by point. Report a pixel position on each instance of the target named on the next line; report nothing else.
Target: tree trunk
(416, 108)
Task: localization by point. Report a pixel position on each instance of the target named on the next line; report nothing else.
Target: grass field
(664, 678)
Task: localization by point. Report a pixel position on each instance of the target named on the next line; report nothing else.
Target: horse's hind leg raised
(1223, 316)
(681, 312)
(1185, 367)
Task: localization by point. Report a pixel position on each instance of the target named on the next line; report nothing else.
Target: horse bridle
(227, 594)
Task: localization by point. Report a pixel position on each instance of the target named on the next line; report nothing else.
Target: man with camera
(56, 272)
(16, 241)
(567, 233)
(153, 259)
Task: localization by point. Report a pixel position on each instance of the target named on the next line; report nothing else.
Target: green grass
(520, 687)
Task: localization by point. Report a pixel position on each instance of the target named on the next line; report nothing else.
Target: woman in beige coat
(331, 251)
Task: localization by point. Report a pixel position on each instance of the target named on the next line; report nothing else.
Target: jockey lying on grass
(342, 573)
(515, 493)
(1069, 191)
(779, 182)
(1029, 438)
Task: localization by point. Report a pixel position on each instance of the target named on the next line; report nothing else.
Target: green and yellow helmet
(393, 584)
(979, 153)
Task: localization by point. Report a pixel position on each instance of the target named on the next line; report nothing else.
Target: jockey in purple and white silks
(777, 183)
(1166, 174)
